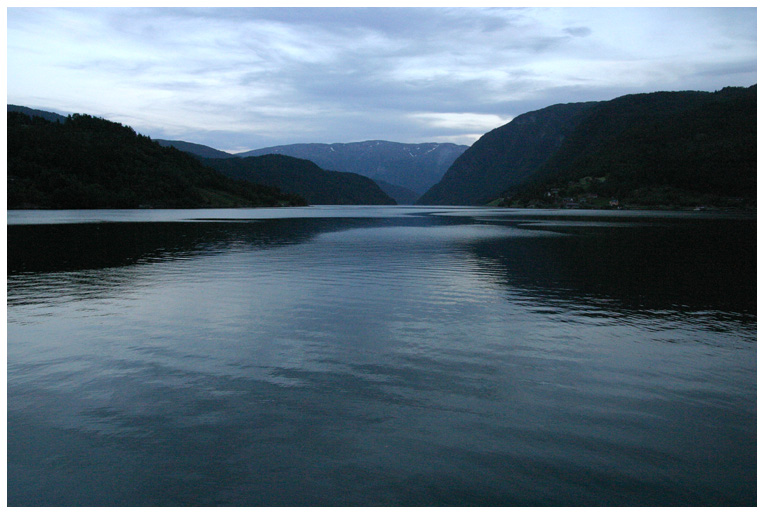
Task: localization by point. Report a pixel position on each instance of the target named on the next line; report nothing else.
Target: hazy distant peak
(413, 166)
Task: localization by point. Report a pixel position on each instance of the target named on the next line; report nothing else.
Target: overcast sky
(239, 79)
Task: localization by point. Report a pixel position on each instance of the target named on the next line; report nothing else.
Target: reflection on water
(471, 357)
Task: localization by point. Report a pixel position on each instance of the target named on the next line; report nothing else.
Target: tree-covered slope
(505, 156)
(86, 162)
(46, 115)
(303, 177)
(677, 149)
(666, 148)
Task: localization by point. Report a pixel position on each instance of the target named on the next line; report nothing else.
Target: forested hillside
(46, 115)
(505, 156)
(86, 162)
(667, 149)
(302, 177)
(659, 149)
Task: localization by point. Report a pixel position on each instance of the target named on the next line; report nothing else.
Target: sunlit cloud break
(462, 121)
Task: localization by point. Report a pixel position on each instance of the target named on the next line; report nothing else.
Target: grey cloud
(342, 74)
(386, 20)
(578, 31)
(494, 24)
(364, 85)
(541, 44)
(731, 68)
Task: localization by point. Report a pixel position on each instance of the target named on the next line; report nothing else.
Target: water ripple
(429, 357)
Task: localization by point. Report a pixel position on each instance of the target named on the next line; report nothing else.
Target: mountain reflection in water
(382, 357)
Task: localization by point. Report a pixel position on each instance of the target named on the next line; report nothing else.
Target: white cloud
(467, 121)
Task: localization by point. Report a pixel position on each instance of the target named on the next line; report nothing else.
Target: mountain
(50, 116)
(84, 162)
(401, 195)
(304, 178)
(674, 149)
(505, 156)
(195, 149)
(655, 149)
(412, 166)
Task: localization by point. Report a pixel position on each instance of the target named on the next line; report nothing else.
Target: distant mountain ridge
(668, 149)
(194, 148)
(404, 171)
(300, 175)
(662, 149)
(413, 166)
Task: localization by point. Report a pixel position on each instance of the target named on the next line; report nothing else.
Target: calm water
(381, 356)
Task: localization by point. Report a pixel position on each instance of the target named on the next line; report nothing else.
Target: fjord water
(381, 356)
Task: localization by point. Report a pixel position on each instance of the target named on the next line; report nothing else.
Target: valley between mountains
(671, 150)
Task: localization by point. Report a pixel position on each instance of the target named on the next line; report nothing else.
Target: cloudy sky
(239, 78)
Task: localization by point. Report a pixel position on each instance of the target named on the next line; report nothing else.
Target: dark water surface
(381, 356)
